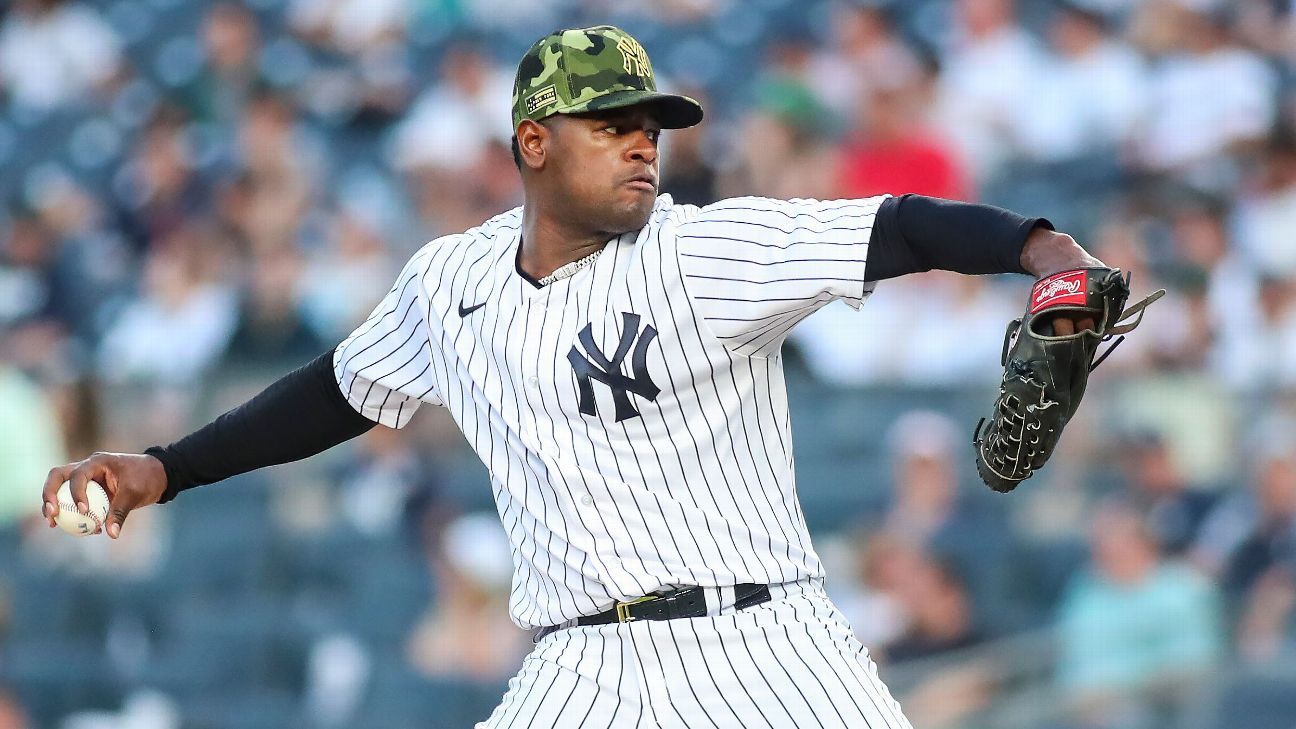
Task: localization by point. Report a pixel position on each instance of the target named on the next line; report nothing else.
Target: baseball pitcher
(614, 359)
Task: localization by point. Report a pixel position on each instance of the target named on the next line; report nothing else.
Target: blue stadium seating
(400, 698)
(1257, 701)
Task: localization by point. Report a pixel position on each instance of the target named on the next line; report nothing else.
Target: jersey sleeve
(384, 368)
(754, 267)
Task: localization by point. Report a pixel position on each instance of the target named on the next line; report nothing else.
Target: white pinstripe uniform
(634, 421)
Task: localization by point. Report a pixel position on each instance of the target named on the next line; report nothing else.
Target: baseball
(73, 521)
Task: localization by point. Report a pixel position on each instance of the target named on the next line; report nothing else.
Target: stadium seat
(1257, 702)
(53, 676)
(257, 709)
(400, 698)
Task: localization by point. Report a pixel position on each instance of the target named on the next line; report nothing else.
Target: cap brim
(673, 111)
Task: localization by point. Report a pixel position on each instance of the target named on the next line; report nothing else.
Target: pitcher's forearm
(298, 416)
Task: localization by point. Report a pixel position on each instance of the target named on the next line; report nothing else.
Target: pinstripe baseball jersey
(633, 417)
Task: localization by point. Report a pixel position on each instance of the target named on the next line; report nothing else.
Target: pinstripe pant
(790, 663)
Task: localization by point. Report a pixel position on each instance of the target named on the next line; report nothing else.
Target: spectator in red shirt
(891, 150)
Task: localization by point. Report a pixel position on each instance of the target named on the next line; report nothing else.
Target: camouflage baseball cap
(587, 69)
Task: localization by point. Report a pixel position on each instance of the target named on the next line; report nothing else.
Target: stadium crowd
(199, 196)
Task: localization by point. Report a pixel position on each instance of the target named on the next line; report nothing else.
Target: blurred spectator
(940, 609)
(1267, 27)
(1178, 332)
(26, 254)
(30, 442)
(925, 491)
(279, 174)
(963, 320)
(467, 631)
(1090, 95)
(12, 715)
(783, 149)
(688, 172)
(56, 53)
(342, 282)
(1132, 621)
(497, 186)
(338, 671)
(185, 304)
(353, 27)
(448, 201)
(158, 188)
(387, 477)
(1266, 214)
(272, 331)
(1256, 343)
(1276, 364)
(668, 12)
(863, 52)
(901, 605)
(1203, 258)
(926, 505)
(1264, 631)
(371, 87)
(986, 81)
(1271, 539)
(231, 72)
(465, 108)
(1200, 240)
(522, 16)
(85, 263)
(1202, 61)
(451, 130)
(890, 151)
(869, 594)
(1174, 511)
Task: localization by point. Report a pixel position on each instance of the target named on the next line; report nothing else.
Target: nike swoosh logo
(466, 310)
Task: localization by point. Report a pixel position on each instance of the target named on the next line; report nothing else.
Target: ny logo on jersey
(608, 371)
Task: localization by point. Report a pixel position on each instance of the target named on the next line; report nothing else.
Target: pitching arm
(298, 416)
(914, 233)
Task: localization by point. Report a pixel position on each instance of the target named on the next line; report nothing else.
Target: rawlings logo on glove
(1060, 288)
(1045, 374)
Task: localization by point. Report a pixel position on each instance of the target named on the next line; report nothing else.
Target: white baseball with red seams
(73, 521)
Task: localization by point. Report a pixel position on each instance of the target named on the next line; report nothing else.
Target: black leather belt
(684, 602)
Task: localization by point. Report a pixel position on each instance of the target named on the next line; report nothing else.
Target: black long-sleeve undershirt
(305, 413)
(301, 414)
(915, 233)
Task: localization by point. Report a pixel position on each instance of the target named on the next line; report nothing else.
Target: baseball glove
(1045, 374)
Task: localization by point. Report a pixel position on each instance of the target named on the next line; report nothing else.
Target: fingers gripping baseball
(1065, 326)
(131, 481)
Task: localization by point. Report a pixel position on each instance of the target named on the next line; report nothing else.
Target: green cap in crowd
(588, 69)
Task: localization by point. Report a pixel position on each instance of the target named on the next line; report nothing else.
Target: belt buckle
(623, 608)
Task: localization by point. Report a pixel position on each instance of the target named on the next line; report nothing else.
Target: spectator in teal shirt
(29, 436)
(1133, 624)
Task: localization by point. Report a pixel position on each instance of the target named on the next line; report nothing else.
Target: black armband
(299, 415)
(914, 233)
